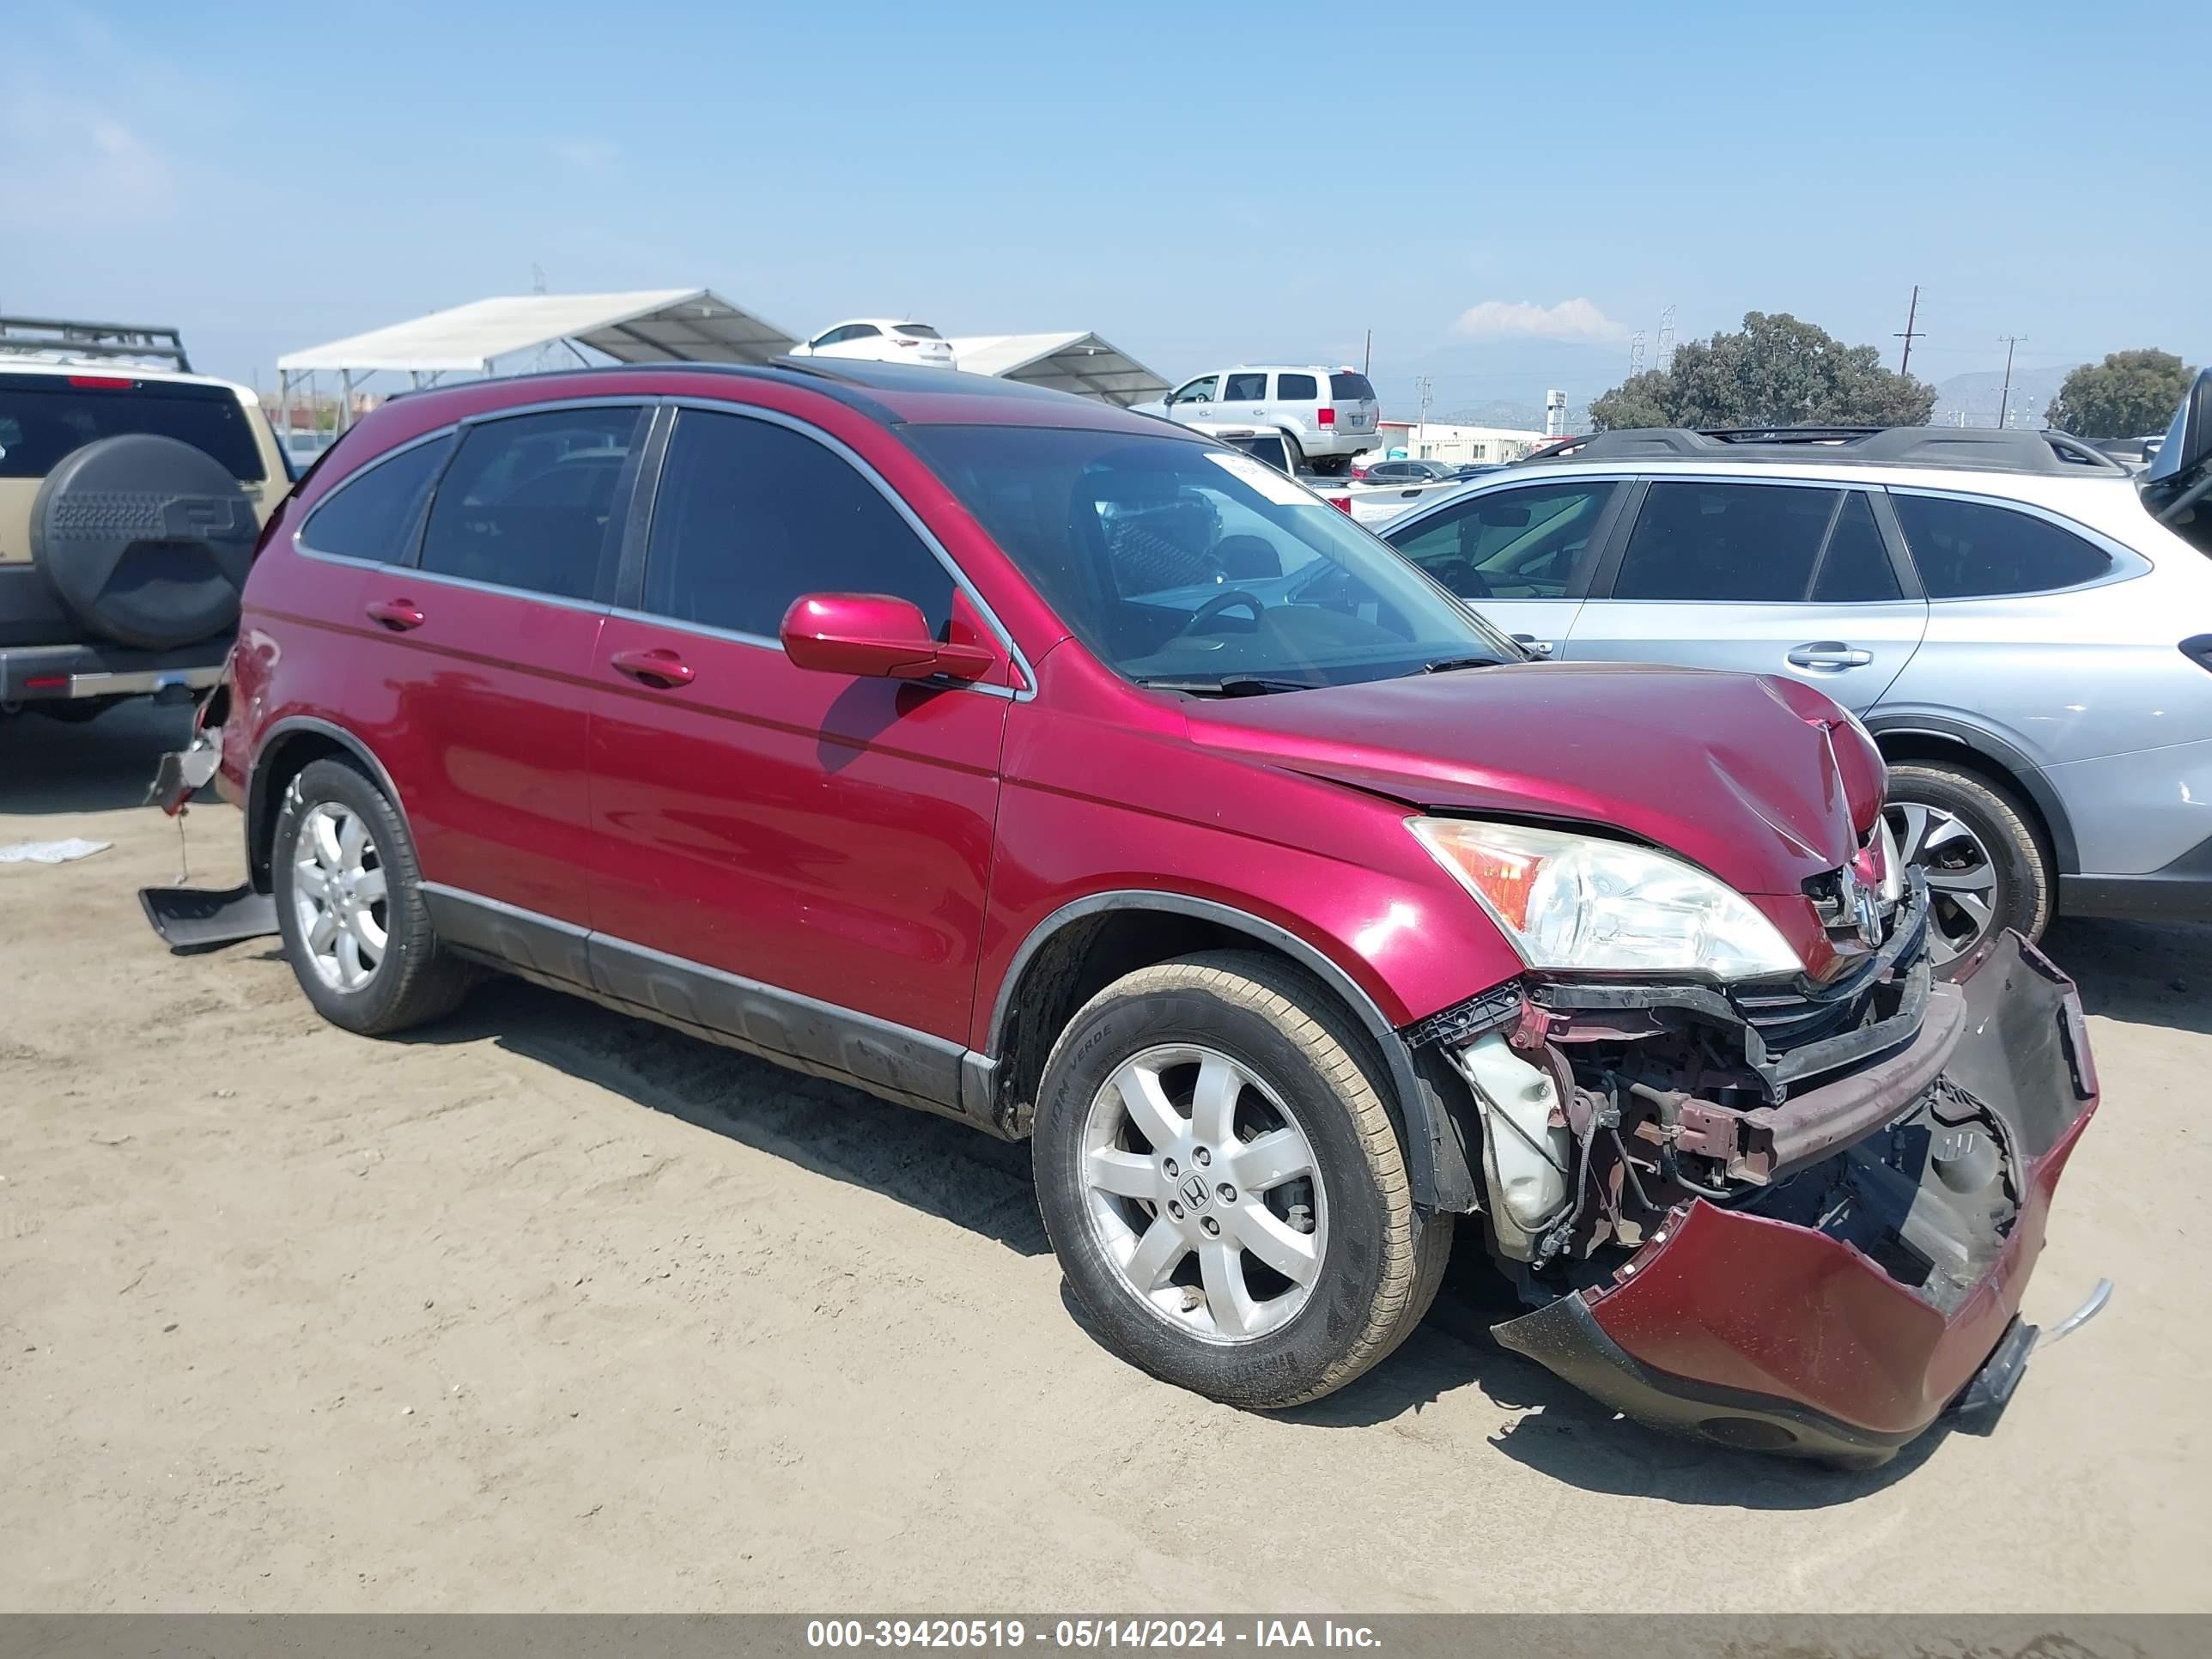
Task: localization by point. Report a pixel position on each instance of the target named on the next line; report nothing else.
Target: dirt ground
(546, 1309)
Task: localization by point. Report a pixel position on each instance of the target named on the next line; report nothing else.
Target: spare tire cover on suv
(145, 540)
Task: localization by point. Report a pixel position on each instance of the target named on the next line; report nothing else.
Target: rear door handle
(1541, 647)
(398, 615)
(660, 667)
(1830, 653)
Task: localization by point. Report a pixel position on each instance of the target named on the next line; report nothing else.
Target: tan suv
(131, 492)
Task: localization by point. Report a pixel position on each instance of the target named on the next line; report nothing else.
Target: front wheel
(1986, 865)
(1224, 1186)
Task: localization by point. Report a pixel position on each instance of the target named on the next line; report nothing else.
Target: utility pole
(2004, 397)
(1910, 333)
(1367, 358)
(1662, 355)
(1421, 425)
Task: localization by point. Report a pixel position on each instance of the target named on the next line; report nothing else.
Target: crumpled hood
(1718, 768)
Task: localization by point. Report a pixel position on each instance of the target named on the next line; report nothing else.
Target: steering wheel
(1236, 599)
(1462, 579)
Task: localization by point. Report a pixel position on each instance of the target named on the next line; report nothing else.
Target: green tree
(1775, 371)
(2128, 394)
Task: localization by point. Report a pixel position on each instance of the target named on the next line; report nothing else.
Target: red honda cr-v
(1018, 758)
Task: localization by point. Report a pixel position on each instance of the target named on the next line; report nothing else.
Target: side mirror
(875, 636)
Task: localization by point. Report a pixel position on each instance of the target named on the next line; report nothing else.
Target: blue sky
(1501, 193)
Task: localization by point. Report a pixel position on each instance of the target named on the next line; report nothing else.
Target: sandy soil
(550, 1309)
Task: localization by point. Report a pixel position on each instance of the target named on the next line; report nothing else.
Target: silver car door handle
(1541, 647)
(1830, 653)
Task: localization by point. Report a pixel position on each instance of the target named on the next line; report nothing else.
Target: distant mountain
(1499, 411)
(1971, 399)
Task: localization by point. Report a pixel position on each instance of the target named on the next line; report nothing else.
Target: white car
(880, 340)
(1330, 413)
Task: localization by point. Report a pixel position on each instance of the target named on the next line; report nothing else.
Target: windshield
(1194, 566)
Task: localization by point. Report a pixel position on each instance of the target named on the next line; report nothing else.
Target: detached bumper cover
(1844, 1329)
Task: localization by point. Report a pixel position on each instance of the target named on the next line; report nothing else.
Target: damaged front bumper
(1836, 1311)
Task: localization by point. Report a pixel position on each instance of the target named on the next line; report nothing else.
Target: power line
(1910, 333)
(2004, 396)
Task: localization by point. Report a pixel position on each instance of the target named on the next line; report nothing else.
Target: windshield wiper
(1233, 686)
(1445, 664)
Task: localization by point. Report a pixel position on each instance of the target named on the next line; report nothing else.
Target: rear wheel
(349, 906)
(1222, 1184)
(1985, 865)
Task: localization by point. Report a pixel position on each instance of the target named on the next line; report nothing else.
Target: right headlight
(1569, 902)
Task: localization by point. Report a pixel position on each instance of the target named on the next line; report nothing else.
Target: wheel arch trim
(2024, 773)
(260, 810)
(1434, 1163)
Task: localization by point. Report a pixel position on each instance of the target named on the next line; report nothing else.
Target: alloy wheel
(1962, 877)
(1204, 1192)
(339, 895)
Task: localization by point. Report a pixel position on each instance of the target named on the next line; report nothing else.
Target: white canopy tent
(1081, 364)
(669, 326)
(654, 326)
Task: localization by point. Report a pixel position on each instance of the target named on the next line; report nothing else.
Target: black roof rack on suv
(1977, 449)
(46, 336)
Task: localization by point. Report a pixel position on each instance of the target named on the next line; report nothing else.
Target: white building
(1438, 441)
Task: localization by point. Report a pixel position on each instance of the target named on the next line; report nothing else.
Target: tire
(144, 540)
(1333, 467)
(2010, 872)
(411, 980)
(1296, 1061)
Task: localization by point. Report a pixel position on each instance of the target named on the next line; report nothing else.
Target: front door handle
(1541, 647)
(660, 667)
(398, 615)
(1830, 653)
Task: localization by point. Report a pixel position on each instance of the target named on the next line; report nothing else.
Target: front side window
(1741, 543)
(1195, 567)
(373, 515)
(1296, 388)
(749, 516)
(1976, 550)
(1199, 390)
(529, 503)
(1244, 389)
(1509, 543)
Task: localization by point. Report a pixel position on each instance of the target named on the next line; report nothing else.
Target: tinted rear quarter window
(1296, 388)
(1976, 550)
(44, 419)
(1350, 388)
(1742, 543)
(373, 515)
(726, 553)
(529, 502)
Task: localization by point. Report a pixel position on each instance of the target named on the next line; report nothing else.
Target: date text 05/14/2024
(1074, 1633)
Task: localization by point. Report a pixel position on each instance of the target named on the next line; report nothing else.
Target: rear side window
(1244, 389)
(373, 515)
(1348, 387)
(43, 419)
(529, 502)
(727, 552)
(1856, 567)
(1741, 543)
(1975, 549)
(1296, 388)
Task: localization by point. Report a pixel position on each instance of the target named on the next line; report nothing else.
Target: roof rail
(60, 338)
(1985, 449)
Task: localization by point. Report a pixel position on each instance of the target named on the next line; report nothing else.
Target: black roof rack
(1984, 449)
(46, 336)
